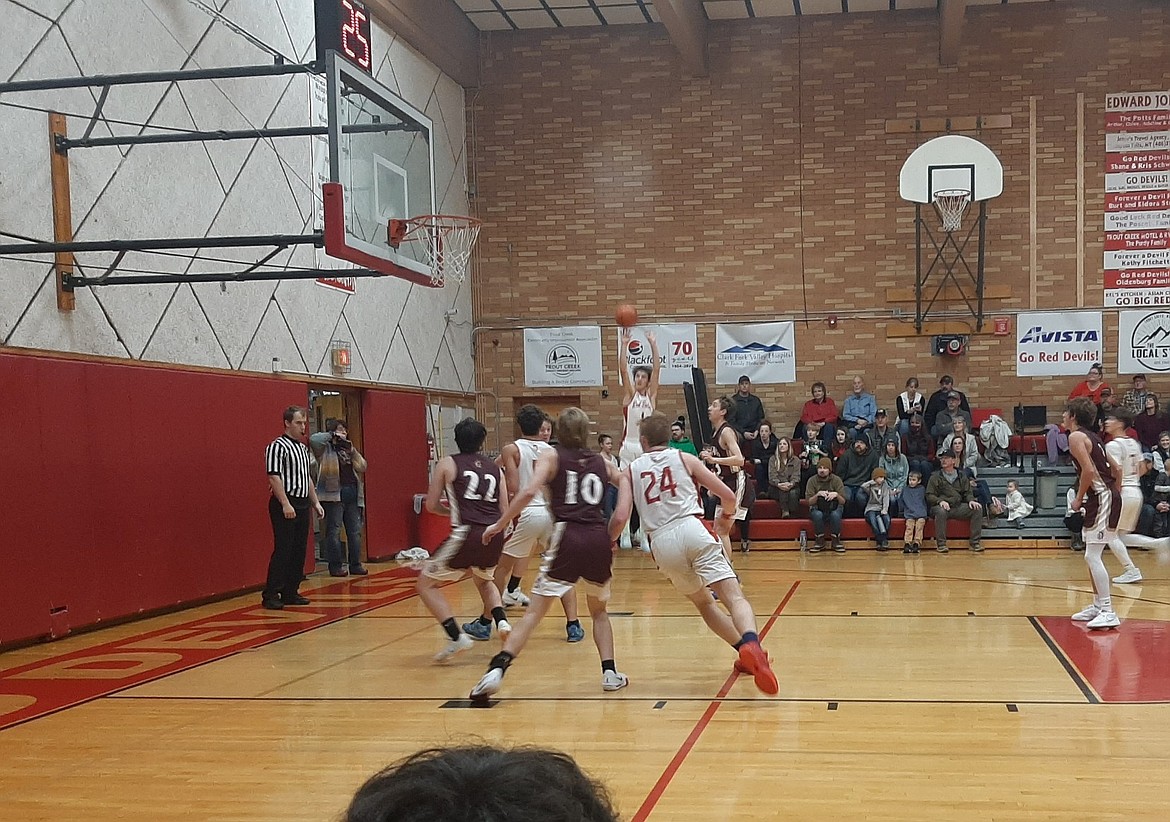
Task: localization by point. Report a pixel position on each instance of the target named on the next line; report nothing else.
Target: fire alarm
(950, 345)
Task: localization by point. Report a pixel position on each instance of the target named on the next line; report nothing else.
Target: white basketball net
(447, 242)
(951, 204)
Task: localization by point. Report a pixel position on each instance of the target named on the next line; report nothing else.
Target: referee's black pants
(289, 540)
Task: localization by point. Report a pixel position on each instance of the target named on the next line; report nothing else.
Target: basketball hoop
(447, 241)
(950, 204)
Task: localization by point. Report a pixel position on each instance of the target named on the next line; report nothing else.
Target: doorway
(552, 406)
(327, 403)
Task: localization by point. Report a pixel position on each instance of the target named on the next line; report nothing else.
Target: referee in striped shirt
(293, 493)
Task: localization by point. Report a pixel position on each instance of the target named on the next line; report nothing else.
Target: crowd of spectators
(856, 459)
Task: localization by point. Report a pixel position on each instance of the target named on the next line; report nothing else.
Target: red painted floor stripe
(1126, 664)
(689, 743)
(50, 685)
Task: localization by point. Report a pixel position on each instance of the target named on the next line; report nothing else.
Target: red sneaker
(755, 660)
(739, 667)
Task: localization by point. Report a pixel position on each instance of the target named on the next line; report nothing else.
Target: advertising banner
(1143, 341)
(1137, 193)
(765, 352)
(1058, 343)
(562, 357)
(677, 350)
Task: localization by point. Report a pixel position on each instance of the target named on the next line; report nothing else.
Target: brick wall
(768, 190)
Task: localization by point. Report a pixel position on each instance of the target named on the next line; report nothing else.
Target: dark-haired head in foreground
(479, 783)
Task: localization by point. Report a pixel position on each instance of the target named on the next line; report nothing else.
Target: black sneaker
(817, 546)
(838, 546)
(915, 548)
(294, 599)
(882, 546)
(272, 604)
(908, 549)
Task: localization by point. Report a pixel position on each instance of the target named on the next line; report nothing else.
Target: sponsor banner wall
(677, 350)
(562, 357)
(1137, 194)
(765, 352)
(1143, 341)
(1058, 343)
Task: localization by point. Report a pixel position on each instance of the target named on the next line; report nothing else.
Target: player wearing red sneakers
(663, 484)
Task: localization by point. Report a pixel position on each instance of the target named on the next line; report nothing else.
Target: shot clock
(344, 27)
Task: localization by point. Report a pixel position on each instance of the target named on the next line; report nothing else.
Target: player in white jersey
(663, 482)
(639, 399)
(532, 528)
(1097, 498)
(1125, 457)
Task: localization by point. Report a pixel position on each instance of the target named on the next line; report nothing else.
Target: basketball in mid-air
(626, 315)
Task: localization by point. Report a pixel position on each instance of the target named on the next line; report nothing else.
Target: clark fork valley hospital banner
(765, 352)
(677, 350)
(1053, 344)
(562, 357)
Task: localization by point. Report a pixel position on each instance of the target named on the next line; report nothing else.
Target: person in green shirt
(679, 438)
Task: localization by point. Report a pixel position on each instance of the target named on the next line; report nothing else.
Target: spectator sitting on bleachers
(854, 468)
(1135, 398)
(1150, 423)
(859, 410)
(841, 446)
(918, 448)
(944, 420)
(938, 400)
(784, 478)
(881, 432)
(818, 418)
(761, 450)
(950, 496)
(897, 470)
(825, 496)
(679, 438)
(1159, 500)
(959, 429)
(910, 402)
(1092, 386)
(1017, 507)
(1161, 454)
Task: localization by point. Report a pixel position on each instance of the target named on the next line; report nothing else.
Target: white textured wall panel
(398, 332)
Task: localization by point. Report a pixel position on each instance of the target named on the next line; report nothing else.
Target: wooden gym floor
(912, 688)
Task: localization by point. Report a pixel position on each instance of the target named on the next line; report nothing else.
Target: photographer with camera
(339, 487)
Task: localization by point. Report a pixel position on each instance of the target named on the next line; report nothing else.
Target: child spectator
(1017, 507)
(915, 511)
(877, 507)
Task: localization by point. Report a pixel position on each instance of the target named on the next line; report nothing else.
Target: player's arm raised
(444, 474)
(623, 372)
(625, 499)
(542, 474)
(710, 480)
(655, 368)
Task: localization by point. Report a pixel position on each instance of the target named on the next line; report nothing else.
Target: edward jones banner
(1059, 343)
(1137, 198)
(569, 357)
(765, 352)
(1143, 341)
(677, 350)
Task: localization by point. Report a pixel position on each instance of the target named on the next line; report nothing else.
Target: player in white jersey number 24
(664, 484)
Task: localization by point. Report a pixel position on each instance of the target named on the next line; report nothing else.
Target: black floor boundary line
(650, 700)
(1069, 668)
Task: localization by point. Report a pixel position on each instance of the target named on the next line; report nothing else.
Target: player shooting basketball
(640, 398)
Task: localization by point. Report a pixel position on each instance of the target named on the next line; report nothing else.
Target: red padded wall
(133, 488)
(394, 433)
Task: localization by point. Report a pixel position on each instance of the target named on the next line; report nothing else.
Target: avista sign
(1037, 334)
